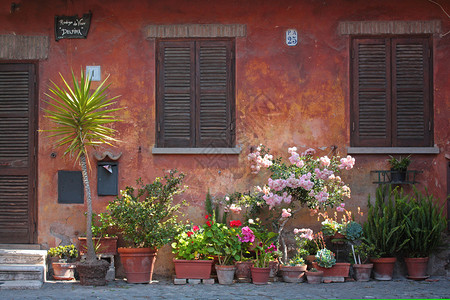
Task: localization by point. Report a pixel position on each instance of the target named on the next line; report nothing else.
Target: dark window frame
(227, 138)
(391, 139)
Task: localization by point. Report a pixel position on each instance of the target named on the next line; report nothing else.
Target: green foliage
(209, 204)
(191, 244)
(148, 218)
(297, 260)
(265, 248)
(325, 258)
(400, 164)
(102, 224)
(424, 225)
(224, 242)
(363, 252)
(330, 227)
(80, 115)
(68, 252)
(384, 227)
(353, 231)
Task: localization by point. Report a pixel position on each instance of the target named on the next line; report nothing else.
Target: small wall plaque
(291, 37)
(72, 27)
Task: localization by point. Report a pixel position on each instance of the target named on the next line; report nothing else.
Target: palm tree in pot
(80, 118)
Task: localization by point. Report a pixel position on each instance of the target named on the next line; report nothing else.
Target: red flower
(195, 228)
(208, 223)
(235, 223)
(189, 233)
(206, 217)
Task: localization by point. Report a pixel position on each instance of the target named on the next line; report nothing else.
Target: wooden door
(18, 120)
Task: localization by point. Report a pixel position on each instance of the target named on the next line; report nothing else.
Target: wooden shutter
(371, 111)
(411, 92)
(176, 92)
(391, 92)
(17, 149)
(214, 93)
(195, 97)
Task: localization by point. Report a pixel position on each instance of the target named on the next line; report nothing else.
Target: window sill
(232, 151)
(393, 150)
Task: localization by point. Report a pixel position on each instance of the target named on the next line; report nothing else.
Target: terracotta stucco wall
(285, 96)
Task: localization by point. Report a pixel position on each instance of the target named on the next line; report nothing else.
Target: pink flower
(235, 209)
(247, 235)
(195, 228)
(347, 163)
(309, 152)
(292, 150)
(286, 213)
(324, 161)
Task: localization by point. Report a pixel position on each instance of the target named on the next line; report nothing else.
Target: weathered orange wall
(285, 96)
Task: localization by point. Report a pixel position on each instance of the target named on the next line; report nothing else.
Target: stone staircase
(22, 266)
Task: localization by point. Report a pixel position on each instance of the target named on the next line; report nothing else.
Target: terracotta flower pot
(138, 263)
(260, 275)
(336, 273)
(225, 274)
(417, 267)
(293, 274)
(362, 271)
(63, 271)
(107, 245)
(244, 271)
(314, 277)
(193, 269)
(273, 265)
(383, 267)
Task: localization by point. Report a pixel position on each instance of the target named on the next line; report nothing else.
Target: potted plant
(314, 276)
(226, 246)
(146, 218)
(193, 252)
(265, 253)
(360, 255)
(398, 168)
(384, 229)
(245, 263)
(82, 117)
(294, 271)
(104, 241)
(424, 225)
(326, 262)
(64, 268)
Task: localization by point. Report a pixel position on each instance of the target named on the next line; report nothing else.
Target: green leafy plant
(325, 258)
(67, 253)
(297, 260)
(148, 217)
(424, 225)
(102, 225)
(81, 117)
(265, 248)
(330, 227)
(361, 253)
(353, 231)
(191, 243)
(224, 240)
(384, 227)
(400, 164)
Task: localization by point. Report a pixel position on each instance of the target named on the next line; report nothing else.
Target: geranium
(235, 209)
(247, 235)
(195, 228)
(236, 223)
(286, 213)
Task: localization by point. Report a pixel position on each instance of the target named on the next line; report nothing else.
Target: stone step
(18, 256)
(10, 272)
(21, 285)
(21, 246)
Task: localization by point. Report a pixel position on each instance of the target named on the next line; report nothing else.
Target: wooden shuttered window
(195, 97)
(17, 153)
(391, 92)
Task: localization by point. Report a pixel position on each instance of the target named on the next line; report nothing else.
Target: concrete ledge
(20, 285)
(205, 151)
(393, 150)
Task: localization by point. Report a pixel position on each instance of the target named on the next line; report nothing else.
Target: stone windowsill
(393, 150)
(204, 151)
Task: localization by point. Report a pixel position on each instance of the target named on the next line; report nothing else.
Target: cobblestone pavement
(439, 288)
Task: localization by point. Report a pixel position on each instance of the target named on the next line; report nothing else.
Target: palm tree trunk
(90, 245)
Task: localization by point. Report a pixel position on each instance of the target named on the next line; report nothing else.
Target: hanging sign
(72, 27)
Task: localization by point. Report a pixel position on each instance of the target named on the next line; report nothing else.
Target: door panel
(17, 153)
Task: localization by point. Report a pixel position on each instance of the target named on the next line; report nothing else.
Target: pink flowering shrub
(313, 181)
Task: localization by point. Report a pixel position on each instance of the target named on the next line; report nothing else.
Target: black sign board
(72, 27)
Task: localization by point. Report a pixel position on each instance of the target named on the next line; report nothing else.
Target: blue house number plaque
(291, 37)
